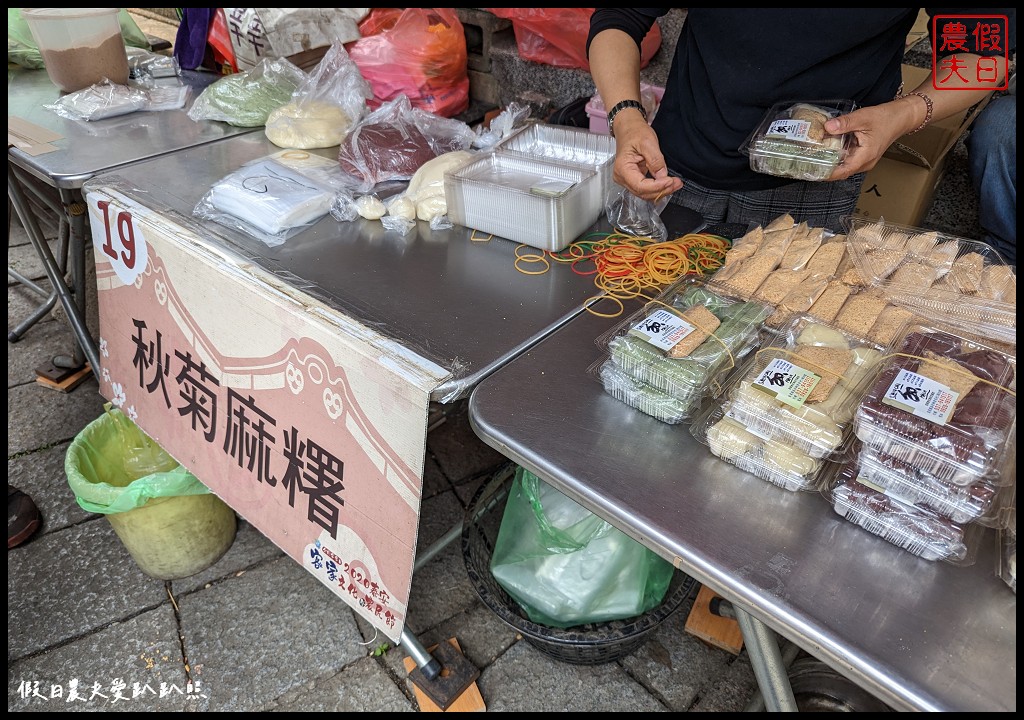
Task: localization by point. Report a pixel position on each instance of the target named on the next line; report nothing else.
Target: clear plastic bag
(246, 99)
(266, 200)
(635, 216)
(566, 566)
(324, 107)
(100, 101)
(393, 141)
(508, 121)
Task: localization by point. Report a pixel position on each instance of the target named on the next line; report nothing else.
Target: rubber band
(624, 265)
(474, 238)
(598, 298)
(689, 321)
(547, 266)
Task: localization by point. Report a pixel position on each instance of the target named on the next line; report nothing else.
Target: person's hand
(874, 129)
(639, 165)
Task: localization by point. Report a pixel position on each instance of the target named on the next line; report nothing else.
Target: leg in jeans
(992, 157)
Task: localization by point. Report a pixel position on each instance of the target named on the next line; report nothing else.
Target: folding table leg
(17, 198)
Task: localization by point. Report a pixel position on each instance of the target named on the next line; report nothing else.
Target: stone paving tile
(35, 349)
(674, 664)
(68, 583)
(460, 453)
(730, 689)
(434, 481)
(363, 686)
(526, 680)
(22, 302)
(255, 637)
(24, 260)
(38, 417)
(440, 589)
(142, 652)
(41, 475)
(481, 635)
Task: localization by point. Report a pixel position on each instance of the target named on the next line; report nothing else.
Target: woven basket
(589, 644)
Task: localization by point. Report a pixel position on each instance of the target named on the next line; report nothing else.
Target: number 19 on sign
(119, 239)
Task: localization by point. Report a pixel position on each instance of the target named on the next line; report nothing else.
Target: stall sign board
(308, 424)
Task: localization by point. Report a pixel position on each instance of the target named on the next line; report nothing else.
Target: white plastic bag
(266, 200)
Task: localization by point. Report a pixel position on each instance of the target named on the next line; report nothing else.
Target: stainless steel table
(458, 303)
(55, 180)
(917, 634)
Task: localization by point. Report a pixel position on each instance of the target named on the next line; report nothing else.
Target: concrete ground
(87, 630)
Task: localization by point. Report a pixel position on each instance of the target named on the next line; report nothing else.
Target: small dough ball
(370, 207)
(431, 207)
(307, 125)
(401, 206)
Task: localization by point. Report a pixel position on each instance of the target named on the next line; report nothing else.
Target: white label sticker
(789, 383)
(662, 329)
(789, 129)
(921, 396)
(118, 239)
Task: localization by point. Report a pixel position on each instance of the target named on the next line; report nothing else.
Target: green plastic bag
(566, 566)
(113, 467)
(22, 49)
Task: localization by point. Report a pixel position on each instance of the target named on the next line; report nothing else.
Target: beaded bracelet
(928, 113)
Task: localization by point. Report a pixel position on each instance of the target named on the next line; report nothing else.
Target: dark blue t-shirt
(731, 65)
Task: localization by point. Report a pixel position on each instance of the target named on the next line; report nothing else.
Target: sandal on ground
(23, 517)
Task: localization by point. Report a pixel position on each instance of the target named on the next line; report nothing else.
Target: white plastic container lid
(63, 28)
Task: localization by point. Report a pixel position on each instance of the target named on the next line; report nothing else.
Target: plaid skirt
(819, 204)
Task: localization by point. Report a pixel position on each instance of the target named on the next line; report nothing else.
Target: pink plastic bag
(422, 55)
(558, 36)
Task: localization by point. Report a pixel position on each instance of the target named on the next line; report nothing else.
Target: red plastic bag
(421, 54)
(219, 40)
(558, 36)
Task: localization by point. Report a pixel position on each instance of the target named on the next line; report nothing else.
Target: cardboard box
(899, 192)
(929, 147)
(900, 188)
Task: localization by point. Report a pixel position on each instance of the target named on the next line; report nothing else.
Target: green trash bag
(22, 49)
(566, 566)
(113, 467)
(170, 523)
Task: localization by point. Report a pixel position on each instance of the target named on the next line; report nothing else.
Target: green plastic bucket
(170, 523)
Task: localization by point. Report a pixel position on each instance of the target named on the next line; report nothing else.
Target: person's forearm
(947, 102)
(615, 67)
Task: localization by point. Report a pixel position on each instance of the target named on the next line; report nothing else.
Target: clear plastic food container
(978, 502)
(639, 395)
(80, 46)
(775, 462)
(941, 277)
(803, 387)
(791, 140)
(944, 405)
(686, 342)
(542, 203)
(910, 527)
(1006, 543)
(565, 144)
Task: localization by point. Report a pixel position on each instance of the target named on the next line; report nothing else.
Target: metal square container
(509, 194)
